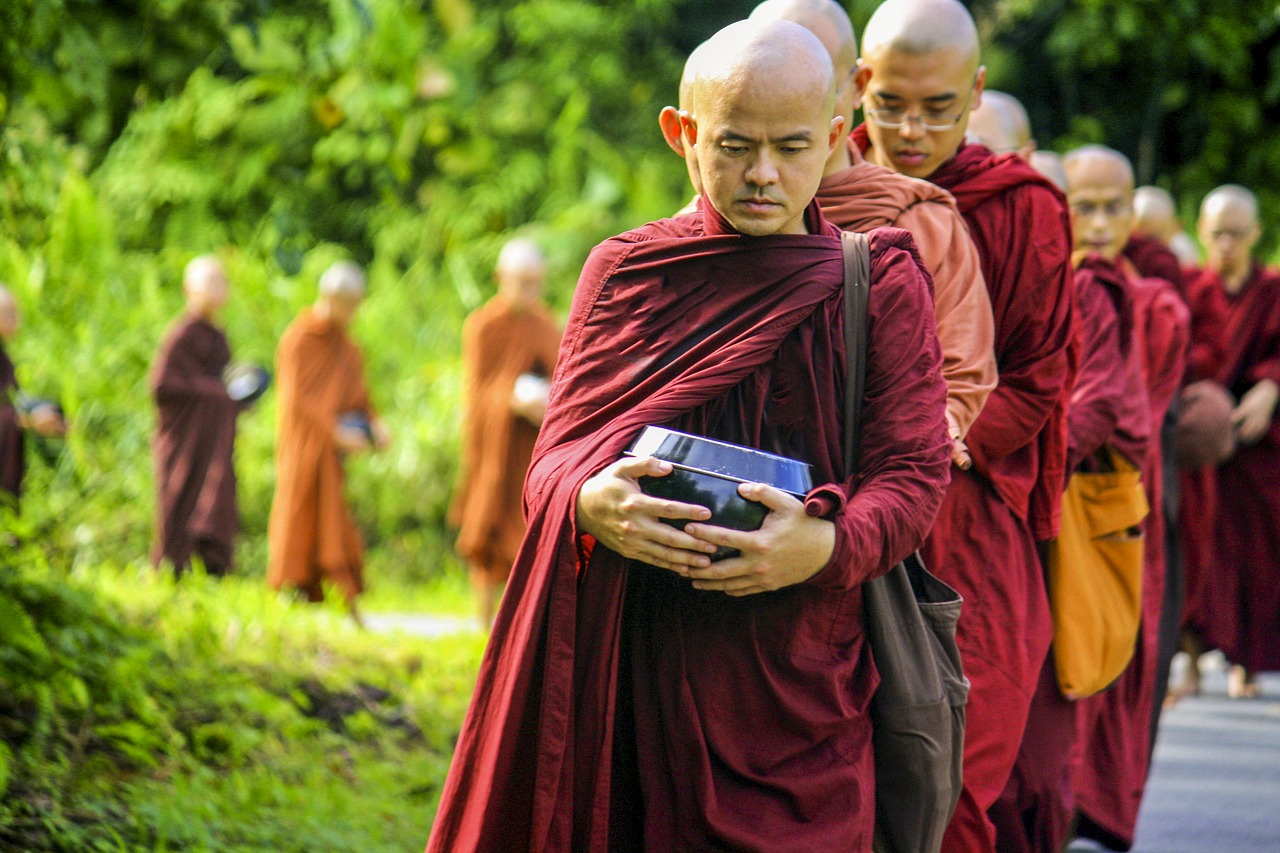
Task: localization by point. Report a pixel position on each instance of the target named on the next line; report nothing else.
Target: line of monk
(637, 695)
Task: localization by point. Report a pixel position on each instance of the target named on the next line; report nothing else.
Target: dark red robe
(1107, 406)
(1230, 515)
(1153, 259)
(984, 541)
(1110, 772)
(193, 447)
(12, 461)
(618, 708)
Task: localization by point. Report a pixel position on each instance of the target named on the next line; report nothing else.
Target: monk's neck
(1234, 281)
(842, 158)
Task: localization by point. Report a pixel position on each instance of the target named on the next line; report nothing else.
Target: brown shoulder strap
(857, 288)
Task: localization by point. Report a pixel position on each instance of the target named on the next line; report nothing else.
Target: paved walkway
(1215, 784)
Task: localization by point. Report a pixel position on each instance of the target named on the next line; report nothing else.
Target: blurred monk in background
(1155, 224)
(196, 510)
(324, 416)
(1000, 123)
(14, 420)
(509, 348)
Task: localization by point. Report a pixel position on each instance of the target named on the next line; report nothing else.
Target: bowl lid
(723, 459)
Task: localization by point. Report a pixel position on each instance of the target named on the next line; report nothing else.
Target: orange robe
(866, 196)
(500, 342)
(312, 535)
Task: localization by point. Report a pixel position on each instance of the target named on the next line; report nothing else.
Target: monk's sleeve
(1267, 365)
(1035, 356)
(962, 307)
(1098, 395)
(1168, 339)
(177, 376)
(1208, 327)
(905, 455)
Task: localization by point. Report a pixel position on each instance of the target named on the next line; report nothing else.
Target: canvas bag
(1095, 575)
(918, 711)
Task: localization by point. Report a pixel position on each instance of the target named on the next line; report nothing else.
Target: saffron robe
(193, 448)
(12, 460)
(499, 343)
(984, 540)
(312, 534)
(1110, 772)
(866, 196)
(743, 720)
(1234, 582)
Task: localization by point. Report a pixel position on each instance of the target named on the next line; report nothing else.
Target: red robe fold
(1151, 258)
(1110, 772)
(1231, 531)
(12, 461)
(193, 448)
(619, 709)
(984, 541)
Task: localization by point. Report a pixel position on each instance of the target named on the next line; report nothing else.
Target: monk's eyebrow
(940, 99)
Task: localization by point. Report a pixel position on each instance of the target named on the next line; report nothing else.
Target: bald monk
(858, 196)
(926, 76)
(43, 420)
(1157, 218)
(640, 697)
(1148, 249)
(194, 443)
(510, 336)
(325, 415)
(1232, 537)
(1001, 124)
(1049, 164)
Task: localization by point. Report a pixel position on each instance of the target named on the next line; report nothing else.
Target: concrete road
(1215, 783)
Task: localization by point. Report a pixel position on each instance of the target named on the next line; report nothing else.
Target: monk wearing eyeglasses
(925, 78)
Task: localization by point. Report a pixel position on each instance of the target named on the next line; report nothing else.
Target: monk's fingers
(960, 455)
(635, 467)
(640, 504)
(775, 500)
(741, 540)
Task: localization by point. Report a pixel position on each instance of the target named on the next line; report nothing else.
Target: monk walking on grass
(636, 696)
(509, 348)
(324, 415)
(194, 444)
(926, 76)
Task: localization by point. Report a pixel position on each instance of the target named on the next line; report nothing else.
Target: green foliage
(213, 715)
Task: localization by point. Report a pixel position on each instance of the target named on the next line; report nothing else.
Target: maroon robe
(12, 461)
(1110, 771)
(1153, 259)
(620, 709)
(193, 446)
(984, 541)
(1233, 558)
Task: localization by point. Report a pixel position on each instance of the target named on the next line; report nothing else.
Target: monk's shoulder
(895, 262)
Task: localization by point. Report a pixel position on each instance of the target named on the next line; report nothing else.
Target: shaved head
(8, 314)
(763, 95)
(669, 117)
(921, 27)
(343, 279)
(1049, 164)
(1000, 123)
(828, 20)
(1155, 212)
(204, 281)
(925, 77)
(520, 253)
(1100, 194)
(520, 271)
(1229, 229)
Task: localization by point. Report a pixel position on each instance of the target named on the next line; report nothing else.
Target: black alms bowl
(708, 472)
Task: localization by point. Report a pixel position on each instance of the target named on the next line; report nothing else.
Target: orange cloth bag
(1095, 575)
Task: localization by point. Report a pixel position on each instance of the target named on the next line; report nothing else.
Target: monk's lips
(707, 473)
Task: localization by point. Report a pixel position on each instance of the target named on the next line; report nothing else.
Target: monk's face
(341, 308)
(1229, 232)
(923, 92)
(1101, 202)
(521, 284)
(207, 290)
(8, 318)
(762, 142)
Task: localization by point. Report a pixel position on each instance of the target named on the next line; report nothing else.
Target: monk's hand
(612, 508)
(959, 450)
(350, 440)
(790, 546)
(381, 438)
(46, 421)
(1252, 417)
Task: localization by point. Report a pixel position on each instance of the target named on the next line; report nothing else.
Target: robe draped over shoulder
(312, 534)
(499, 343)
(866, 196)
(1151, 258)
(193, 448)
(759, 703)
(12, 461)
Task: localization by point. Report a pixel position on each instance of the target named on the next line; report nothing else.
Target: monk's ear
(861, 77)
(688, 128)
(669, 121)
(838, 133)
(979, 83)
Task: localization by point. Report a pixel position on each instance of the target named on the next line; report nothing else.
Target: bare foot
(1241, 684)
(1188, 685)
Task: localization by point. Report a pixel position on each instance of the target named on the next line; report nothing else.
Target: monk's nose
(763, 171)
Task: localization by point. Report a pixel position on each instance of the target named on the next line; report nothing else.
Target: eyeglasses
(895, 119)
